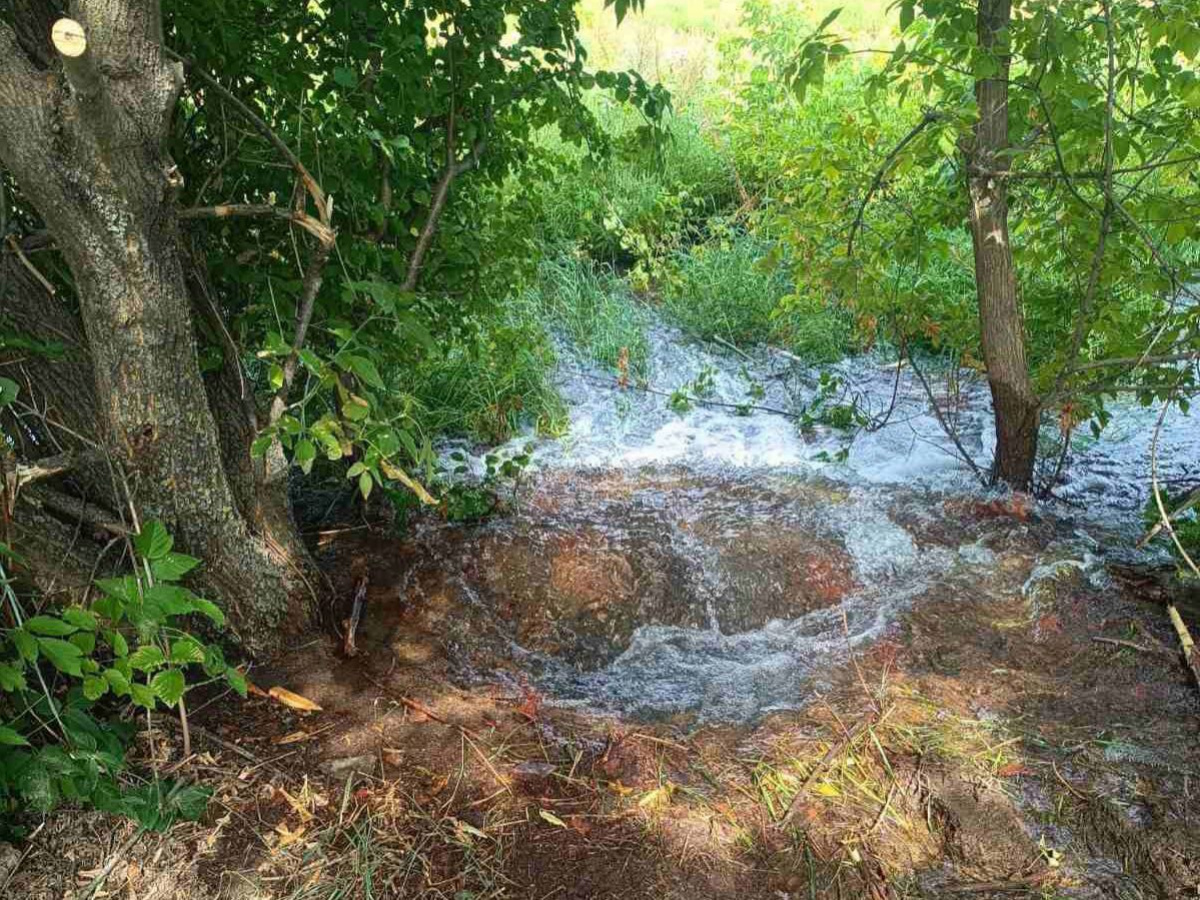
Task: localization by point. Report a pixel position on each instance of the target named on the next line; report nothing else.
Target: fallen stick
(1130, 645)
(834, 752)
(98, 882)
(356, 611)
(1186, 643)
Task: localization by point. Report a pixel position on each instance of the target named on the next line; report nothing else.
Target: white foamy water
(722, 517)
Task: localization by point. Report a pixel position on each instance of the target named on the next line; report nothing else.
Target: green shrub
(491, 386)
(65, 673)
(736, 288)
(628, 205)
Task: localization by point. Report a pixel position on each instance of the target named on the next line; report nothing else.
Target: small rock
(348, 765)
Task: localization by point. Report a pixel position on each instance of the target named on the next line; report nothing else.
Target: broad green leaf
(11, 678)
(209, 609)
(141, 695)
(8, 391)
(26, 645)
(118, 682)
(85, 641)
(365, 369)
(173, 566)
(117, 641)
(49, 625)
(305, 454)
(169, 685)
(95, 687)
(237, 681)
(63, 655)
(11, 738)
(187, 650)
(170, 600)
(146, 658)
(261, 445)
(154, 541)
(81, 618)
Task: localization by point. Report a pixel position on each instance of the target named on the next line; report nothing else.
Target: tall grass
(737, 288)
(595, 309)
(493, 384)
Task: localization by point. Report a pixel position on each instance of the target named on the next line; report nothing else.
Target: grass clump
(493, 385)
(595, 309)
(736, 288)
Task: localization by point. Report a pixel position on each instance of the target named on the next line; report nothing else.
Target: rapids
(711, 562)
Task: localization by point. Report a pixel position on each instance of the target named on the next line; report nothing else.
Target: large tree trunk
(85, 141)
(1002, 324)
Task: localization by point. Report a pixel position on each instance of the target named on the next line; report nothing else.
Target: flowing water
(714, 561)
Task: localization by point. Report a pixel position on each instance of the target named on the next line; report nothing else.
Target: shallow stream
(712, 562)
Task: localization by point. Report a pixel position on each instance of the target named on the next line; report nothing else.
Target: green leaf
(173, 566)
(8, 391)
(11, 678)
(209, 609)
(26, 645)
(49, 625)
(118, 682)
(187, 650)
(81, 618)
(85, 641)
(146, 658)
(153, 541)
(192, 801)
(261, 445)
(237, 681)
(365, 484)
(169, 686)
(63, 655)
(119, 594)
(10, 737)
(365, 369)
(95, 687)
(117, 641)
(170, 600)
(141, 695)
(214, 661)
(304, 455)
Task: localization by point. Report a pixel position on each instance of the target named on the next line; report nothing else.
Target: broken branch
(317, 229)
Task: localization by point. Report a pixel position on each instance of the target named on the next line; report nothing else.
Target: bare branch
(313, 277)
(441, 196)
(946, 427)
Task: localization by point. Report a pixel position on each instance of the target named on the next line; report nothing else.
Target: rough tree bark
(1001, 320)
(84, 133)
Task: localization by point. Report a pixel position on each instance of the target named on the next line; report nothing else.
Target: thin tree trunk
(86, 142)
(1001, 320)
